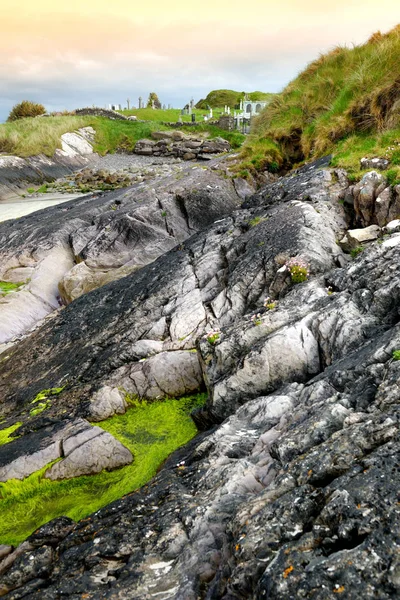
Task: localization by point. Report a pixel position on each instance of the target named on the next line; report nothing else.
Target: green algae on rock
(151, 431)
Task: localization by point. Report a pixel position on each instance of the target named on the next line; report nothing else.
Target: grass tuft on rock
(151, 431)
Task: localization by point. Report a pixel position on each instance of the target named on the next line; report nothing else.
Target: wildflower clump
(256, 319)
(298, 268)
(270, 304)
(212, 336)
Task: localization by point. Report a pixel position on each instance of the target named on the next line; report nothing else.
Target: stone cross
(210, 116)
(190, 108)
(140, 102)
(152, 104)
(192, 103)
(128, 103)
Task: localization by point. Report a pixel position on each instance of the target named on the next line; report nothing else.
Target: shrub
(26, 109)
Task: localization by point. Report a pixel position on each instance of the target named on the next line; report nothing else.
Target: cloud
(106, 51)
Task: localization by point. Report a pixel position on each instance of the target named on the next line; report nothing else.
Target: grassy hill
(346, 102)
(220, 98)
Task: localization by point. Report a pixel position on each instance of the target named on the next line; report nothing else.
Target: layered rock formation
(292, 492)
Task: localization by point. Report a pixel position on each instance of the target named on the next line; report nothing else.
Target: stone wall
(101, 112)
(178, 145)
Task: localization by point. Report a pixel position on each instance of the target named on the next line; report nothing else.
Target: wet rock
(293, 492)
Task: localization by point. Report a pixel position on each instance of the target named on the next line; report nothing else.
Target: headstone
(193, 118)
(192, 103)
(164, 107)
(128, 103)
(110, 107)
(140, 102)
(182, 112)
(169, 107)
(190, 108)
(210, 116)
(180, 119)
(119, 106)
(153, 105)
(229, 110)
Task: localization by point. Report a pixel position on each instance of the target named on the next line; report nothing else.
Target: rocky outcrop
(293, 491)
(17, 173)
(73, 248)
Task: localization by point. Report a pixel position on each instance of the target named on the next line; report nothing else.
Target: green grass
(347, 95)
(354, 252)
(5, 434)
(351, 150)
(42, 400)
(6, 287)
(30, 137)
(396, 355)
(150, 430)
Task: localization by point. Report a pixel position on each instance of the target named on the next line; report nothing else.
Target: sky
(69, 54)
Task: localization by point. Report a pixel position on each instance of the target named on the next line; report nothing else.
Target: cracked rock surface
(292, 491)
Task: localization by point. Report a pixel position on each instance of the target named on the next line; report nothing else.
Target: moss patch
(152, 431)
(5, 434)
(6, 287)
(42, 400)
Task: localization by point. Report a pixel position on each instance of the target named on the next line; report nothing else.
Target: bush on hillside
(153, 98)
(26, 109)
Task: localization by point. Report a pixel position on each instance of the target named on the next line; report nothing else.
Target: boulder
(374, 163)
(89, 452)
(73, 439)
(356, 237)
(365, 193)
(106, 403)
(382, 205)
(392, 227)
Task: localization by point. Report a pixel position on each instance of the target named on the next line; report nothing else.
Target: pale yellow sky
(69, 53)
